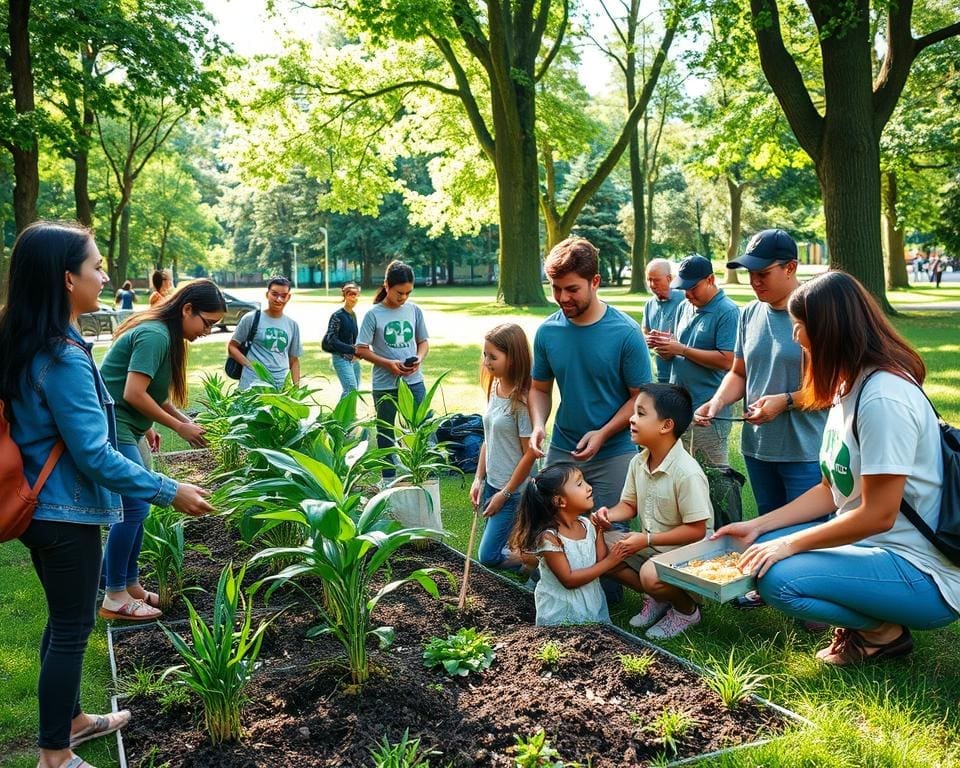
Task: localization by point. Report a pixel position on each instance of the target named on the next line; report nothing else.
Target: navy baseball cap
(692, 270)
(768, 247)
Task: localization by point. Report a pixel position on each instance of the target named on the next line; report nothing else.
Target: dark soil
(303, 712)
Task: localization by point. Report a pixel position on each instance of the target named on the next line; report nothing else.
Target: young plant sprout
(460, 654)
(636, 664)
(733, 682)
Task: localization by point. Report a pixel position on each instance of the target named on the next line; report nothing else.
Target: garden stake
(461, 603)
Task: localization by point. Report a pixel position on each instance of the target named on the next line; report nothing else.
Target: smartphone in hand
(410, 361)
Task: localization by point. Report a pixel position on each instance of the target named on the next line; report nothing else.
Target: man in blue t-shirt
(660, 313)
(599, 359)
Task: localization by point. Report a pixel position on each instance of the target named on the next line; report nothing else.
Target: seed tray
(668, 566)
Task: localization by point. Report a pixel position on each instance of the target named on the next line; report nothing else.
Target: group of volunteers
(836, 433)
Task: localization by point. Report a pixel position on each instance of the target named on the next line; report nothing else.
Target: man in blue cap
(701, 350)
(780, 444)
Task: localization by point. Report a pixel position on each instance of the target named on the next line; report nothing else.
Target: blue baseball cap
(768, 247)
(692, 270)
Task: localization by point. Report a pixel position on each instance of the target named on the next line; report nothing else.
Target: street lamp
(326, 260)
(296, 271)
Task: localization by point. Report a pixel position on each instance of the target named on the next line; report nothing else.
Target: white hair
(659, 265)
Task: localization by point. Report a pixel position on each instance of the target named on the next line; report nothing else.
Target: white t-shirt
(899, 435)
(502, 430)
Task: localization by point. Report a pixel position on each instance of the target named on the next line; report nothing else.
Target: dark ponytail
(538, 505)
(398, 273)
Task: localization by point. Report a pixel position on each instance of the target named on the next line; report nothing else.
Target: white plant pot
(417, 507)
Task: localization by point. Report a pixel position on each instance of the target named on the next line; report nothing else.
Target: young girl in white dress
(573, 557)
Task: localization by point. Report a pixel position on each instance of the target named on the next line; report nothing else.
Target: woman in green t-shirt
(146, 374)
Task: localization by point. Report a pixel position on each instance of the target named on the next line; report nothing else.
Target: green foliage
(636, 664)
(461, 653)
(346, 548)
(222, 657)
(733, 682)
(405, 753)
(535, 751)
(550, 654)
(418, 456)
(671, 726)
(163, 548)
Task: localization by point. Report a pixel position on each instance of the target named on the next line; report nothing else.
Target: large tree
(843, 137)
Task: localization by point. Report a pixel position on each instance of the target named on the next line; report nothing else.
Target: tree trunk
(896, 265)
(23, 148)
(81, 192)
(123, 250)
(638, 254)
(736, 214)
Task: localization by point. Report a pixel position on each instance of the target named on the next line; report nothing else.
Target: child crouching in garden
(573, 554)
(669, 494)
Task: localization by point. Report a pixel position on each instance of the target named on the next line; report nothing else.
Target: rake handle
(462, 600)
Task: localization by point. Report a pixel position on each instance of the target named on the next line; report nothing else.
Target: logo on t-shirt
(275, 339)
(398, 333)
(835, 462)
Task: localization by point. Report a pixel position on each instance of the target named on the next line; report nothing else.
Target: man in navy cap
(702, 350)
(780, 444)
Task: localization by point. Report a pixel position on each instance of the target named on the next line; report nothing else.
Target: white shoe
(651, 613)
(673, 623)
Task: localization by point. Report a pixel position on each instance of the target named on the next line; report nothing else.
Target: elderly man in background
(660, 313)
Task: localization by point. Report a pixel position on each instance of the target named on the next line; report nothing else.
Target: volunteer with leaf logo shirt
(393, 336)
(276, 345)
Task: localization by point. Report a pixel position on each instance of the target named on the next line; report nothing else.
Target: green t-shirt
(144, 349)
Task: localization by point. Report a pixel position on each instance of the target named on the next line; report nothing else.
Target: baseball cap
(765, 248)
(691, 271)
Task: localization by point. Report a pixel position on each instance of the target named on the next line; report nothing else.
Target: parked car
(236, 308)
(103, 321)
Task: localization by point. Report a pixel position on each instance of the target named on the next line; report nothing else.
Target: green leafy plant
(222, 657)
(416, 452)
(163, 548)
(405, 753)
(671, 726)
(733, 681)
(635, 665)
(461, 653)
(550, 654)
(141, 681)
(346, 548)
(535, 751)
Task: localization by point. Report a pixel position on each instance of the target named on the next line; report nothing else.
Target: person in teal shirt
(145, 372)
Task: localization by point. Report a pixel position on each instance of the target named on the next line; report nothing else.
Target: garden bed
(302, 710)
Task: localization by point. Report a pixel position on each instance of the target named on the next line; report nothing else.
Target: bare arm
(233, 349)
(295, 370)
(364, 352)
(539, 401)
(732, 388)
(136, 396)
(593, 441)
(558, 563)
(520, 473)
(719, 359)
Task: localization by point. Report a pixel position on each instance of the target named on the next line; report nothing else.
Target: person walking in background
(276, 344)
(124, 299)
(660, 313)
(938, 266)
(780, 444)
(505, 461)
(867, 569)
(145, 371)
(162, 285)
(51, 391)
(393, 336)
(340, 341)
(701, 351)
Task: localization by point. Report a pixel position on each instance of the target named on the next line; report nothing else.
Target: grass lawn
(899, 714)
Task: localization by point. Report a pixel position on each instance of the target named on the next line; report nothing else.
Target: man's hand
(601, 520)
(589, 445)
(537, 436)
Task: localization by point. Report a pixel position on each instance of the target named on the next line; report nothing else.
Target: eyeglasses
(279, 296)
(207, 324)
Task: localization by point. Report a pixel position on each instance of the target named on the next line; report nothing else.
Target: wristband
(789, 396)
(649, 540)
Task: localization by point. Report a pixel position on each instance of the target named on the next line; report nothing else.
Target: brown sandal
(850, 647)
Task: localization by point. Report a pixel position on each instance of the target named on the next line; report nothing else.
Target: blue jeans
(348, 371)
(383, 399)
(497, 528)
(853, 586)
(776, 483)
(125, 538)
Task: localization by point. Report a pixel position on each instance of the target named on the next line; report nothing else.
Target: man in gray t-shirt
(276, 345)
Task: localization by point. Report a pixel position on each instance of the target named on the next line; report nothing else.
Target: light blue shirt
(710, 327)
(661, 315)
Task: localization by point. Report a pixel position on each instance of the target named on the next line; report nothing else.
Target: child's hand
(495, 505)
(600, 520)
(475, 492)
(618, 553)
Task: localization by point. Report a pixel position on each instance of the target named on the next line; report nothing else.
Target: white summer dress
(555, 603)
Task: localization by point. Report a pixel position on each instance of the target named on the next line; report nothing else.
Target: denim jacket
(66, 398)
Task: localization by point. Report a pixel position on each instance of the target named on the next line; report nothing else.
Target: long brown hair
(538, 505)
(511, 340)
(848, 334)
(203, 296)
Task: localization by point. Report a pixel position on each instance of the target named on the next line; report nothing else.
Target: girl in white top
(866, 570)
(573, 557)
(506, 459)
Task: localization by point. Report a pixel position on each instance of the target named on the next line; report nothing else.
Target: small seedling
(635, 717)
(406, 753)
(733, 682)
(460, 654)
(535, 751)
(671, 726)
(173, 697)
(550, 654)
(636, 664)
(141, 682)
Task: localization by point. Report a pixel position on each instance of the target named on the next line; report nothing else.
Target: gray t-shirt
(710, 327)
(502, 430)
(393, 334)
(774, 363)
(661, 315)
(276, 341)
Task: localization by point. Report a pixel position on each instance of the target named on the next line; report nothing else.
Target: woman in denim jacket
(52, 391)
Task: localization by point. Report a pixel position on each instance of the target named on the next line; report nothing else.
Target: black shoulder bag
(232, 368)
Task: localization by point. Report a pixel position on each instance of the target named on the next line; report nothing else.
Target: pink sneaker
(673, 623)
(651, 613)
